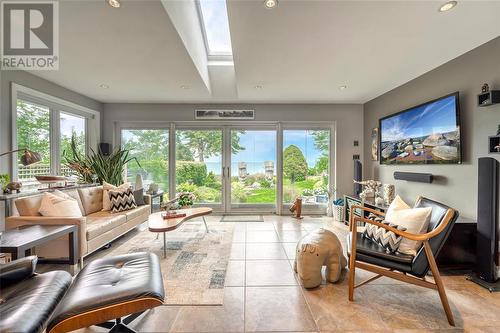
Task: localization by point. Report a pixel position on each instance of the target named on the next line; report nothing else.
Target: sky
(437, 117)
(216, 26)
(69, 122)
(261, 146)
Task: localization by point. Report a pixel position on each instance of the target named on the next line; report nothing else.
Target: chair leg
(352, 266)
(439, 283)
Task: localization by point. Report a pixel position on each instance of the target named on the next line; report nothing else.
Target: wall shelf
(494, 141)
(488, 98)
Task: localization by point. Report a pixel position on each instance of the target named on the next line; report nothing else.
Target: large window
(72, 128)
(306, 163)
(33, 133)
(150, 148)
(215, 27)
(47, 125)
(199, 164)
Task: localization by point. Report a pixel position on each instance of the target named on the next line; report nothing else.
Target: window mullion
(55, 142)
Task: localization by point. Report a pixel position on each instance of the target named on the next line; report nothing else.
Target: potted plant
(4, 180)
(96, 167)
(186, 199)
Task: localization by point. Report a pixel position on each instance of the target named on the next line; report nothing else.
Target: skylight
(216, 27)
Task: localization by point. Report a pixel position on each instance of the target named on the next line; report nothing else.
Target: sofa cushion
(101, 222)
(122, 201)
(91, 199)
(29, 206)
(106, 204)
(133, 213)
(59, 204)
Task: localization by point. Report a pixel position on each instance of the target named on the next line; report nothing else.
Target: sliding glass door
(306, 166)
(236, 168)
(253, 169)
(198, 164)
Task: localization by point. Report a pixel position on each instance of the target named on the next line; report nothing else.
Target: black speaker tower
(358, 176)
(486, 270)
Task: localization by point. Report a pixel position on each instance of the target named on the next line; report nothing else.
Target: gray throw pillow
(387, 239)
(139, 197)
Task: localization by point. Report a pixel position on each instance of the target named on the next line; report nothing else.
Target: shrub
(238, 192)
(207, 194)
(186, 187)
(191, 172)
(294, 164)
(211, 181)
(264, 183)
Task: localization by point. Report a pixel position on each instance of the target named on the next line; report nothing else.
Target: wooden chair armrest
(415, 237)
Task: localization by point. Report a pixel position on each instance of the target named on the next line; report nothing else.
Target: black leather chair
(368, 255)
(105, 289)
(28, 299)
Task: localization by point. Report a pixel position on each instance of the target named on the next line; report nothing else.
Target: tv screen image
(425, 134)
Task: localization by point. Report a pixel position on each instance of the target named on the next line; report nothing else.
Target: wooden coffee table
(156, 223)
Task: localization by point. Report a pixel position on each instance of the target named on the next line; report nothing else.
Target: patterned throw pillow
(122, 200)
(387, 239)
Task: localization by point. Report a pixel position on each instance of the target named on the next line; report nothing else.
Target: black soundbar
(414, 177)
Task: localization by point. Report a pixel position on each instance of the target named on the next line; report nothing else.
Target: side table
(19, 242)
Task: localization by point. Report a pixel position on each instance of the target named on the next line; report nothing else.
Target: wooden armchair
(368, 255)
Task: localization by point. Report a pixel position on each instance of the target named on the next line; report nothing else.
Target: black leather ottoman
(108, 289)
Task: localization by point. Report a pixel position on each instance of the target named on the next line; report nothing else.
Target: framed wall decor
(375, 144)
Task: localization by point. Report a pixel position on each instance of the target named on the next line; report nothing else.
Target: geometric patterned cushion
(387, 239)
(121, 200)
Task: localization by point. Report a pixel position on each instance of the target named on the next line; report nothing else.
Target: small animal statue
(296, 208)
(315, 250)
(13, 186)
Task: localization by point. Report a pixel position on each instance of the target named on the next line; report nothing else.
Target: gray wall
(466, 74)
(349, 120)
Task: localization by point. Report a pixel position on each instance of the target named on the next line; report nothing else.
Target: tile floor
(262, 294)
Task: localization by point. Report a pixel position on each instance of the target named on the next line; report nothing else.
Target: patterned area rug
(195, 267)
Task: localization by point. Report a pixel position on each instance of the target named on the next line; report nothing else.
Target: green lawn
(262, 195)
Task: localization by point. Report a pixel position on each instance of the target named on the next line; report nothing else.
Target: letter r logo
(28, 28)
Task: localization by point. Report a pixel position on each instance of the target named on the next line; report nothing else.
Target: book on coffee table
(172, 215)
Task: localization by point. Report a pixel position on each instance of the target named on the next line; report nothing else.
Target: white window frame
(56, 106)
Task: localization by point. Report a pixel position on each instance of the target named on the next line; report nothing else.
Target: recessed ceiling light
(114, 3)
(270, 3)
(258, 87)
(103, 86)
(185, 87)
(344, 87)
(447, 6)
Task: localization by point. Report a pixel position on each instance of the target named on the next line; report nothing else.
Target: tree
(321, 140)
(321, 164)
(294, 164)
(204, 144)
(33, 129)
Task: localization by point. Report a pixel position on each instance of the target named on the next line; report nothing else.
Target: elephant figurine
(315, 250)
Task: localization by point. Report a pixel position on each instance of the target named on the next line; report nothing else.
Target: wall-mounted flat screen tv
(425, 134)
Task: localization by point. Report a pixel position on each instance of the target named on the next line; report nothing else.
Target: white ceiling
(299, 52)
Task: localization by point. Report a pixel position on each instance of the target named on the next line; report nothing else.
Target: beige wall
(349, 120)
(466, 74)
